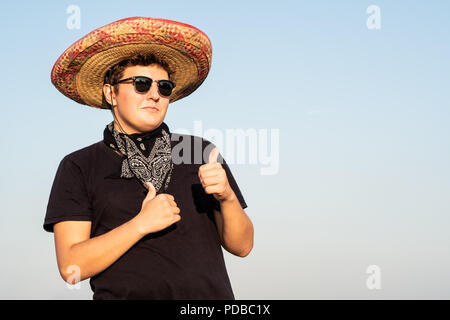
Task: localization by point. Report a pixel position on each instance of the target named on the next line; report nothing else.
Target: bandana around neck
(155, 167)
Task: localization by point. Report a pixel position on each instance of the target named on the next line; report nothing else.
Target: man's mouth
(151, 108)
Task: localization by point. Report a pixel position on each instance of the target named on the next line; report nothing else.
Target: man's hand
(157, 211)
(214, 178)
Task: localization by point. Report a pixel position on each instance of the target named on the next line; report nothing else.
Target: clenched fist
(214, 178)
(157, 212)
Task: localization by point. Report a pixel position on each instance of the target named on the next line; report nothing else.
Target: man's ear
(108, 92)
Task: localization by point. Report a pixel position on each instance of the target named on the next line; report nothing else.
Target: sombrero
(79, 72)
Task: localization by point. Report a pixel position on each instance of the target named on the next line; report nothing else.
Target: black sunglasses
(142, 85)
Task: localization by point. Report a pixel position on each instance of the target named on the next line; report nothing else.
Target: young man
(137, 212)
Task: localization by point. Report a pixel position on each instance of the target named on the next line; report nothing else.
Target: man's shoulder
(180, 137)
(84, 155)
(190, 149)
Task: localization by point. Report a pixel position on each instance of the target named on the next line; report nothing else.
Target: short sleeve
(69, 198)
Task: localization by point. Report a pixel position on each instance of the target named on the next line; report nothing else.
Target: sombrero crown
(79, 72)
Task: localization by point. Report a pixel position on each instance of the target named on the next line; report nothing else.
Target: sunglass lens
(165, 87)
(142, 84)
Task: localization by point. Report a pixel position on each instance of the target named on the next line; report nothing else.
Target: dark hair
(116, 72)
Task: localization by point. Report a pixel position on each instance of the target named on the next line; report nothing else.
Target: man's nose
(153, 93)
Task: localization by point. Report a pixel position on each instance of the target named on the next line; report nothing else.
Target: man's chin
(151, 125)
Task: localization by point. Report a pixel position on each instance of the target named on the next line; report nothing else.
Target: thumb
(151, 191)
(213, 155)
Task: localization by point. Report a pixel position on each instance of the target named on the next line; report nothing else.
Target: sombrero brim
(79, 72)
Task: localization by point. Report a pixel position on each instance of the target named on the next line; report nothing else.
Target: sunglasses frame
(151, 82)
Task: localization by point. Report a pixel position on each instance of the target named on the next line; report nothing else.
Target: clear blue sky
(363, 117)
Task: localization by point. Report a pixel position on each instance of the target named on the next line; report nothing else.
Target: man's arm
(90, 255)
(234, 227)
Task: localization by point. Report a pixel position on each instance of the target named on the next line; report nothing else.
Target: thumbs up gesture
(214, 178)
(157, 211)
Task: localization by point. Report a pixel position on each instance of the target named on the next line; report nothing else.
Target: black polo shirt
(184, 261)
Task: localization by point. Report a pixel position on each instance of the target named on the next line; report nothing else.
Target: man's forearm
(94, 255)
(236, 227)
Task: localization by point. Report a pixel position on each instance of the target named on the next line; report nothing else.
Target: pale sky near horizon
(363, 118)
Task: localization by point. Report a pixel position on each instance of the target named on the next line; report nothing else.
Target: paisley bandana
(156, 167)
